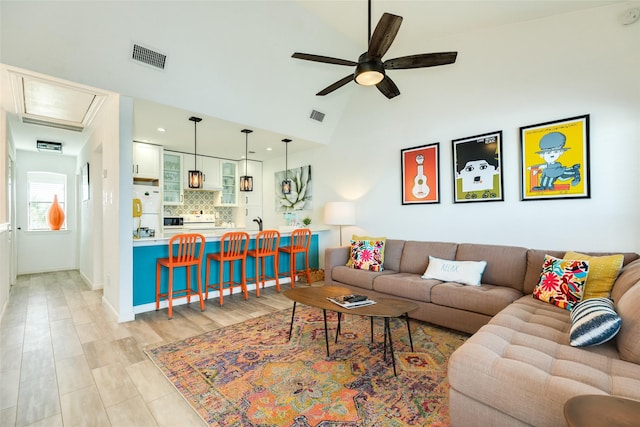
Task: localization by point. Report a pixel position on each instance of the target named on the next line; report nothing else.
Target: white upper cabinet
(146, 161)
(172, 179)
(210, 167)
(229, 177)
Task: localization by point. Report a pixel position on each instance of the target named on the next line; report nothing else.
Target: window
(42, 186)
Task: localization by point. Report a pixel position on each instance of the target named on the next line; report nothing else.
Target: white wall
(507, 77)
(40, 251)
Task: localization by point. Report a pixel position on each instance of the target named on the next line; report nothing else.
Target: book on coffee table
(351, 301)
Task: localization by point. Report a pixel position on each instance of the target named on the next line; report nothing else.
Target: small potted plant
(306, 221)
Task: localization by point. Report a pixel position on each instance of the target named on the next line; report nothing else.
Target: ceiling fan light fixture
(369, 72)
(369, 78)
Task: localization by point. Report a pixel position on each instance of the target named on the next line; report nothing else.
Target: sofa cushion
(366, 255)
(484, 299)
(593, 322)
(628, 339)
(392, 254)
(506, 265)
(465, 272)
(603, 271)
(358, 278)
(535, 258)
(405, 285)
(629, 276)
(415, 255)
(562, 281)
(366, 238)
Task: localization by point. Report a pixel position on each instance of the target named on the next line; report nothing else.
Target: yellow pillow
(356, 238)
(603, 271)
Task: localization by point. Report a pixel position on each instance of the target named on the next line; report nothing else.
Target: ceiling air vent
(56, 147)
(317, 116)
(148, 57)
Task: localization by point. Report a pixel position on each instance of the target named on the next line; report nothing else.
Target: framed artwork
(296, 194)
(86, 190)
(420, 174)
(555, 159)
(477, 168)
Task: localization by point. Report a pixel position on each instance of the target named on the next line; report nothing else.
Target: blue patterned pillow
(593, 321)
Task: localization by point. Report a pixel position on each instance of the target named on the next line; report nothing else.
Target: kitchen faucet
(259, 221)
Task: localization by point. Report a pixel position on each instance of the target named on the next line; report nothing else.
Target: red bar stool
(233, 247)
(299, 243)
(267, 243)
(183, 252)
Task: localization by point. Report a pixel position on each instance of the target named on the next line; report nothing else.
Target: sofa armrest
(334, 257)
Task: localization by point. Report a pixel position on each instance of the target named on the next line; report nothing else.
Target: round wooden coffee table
(598, 410)
(316, 296)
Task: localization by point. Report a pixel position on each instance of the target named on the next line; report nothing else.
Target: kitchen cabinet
(229, 179)
(146, 161)
(172, 179)
(210, 167)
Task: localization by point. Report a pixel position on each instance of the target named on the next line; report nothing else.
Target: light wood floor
(65, 361)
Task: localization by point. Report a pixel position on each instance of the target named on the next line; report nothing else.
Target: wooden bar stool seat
(233, 247)
(299, 244)
(185, 250)
(267, 243)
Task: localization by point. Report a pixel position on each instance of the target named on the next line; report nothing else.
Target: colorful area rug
(250, 374)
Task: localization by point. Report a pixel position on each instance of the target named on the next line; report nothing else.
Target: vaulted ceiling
(230, 61)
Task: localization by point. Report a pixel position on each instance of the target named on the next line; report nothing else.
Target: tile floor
(65, 361)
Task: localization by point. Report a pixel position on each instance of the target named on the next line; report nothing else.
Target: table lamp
(340, 213)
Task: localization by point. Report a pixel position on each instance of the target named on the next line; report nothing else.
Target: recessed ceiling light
(269, 148)
(161, 130)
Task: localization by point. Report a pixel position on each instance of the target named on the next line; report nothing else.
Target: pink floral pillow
(562, 281)
(366, 255)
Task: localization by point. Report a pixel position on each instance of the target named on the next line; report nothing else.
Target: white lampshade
(340, 213)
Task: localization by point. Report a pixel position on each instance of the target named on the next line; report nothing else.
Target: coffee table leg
(338, 330)
(371, 318)
(406, 315)
(388, 331)
(326, 331)
(293, 313)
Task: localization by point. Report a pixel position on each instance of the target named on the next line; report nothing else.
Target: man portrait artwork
(477, 168)
(555, 159)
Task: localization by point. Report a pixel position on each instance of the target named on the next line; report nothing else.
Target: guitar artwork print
(420, 175)
(420, 188)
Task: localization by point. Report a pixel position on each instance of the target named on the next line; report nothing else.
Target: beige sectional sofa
(518, 367)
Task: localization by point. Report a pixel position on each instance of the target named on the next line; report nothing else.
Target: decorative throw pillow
(374, 239)
(366, 255)
(603, 271)
(465, 272)
(593, 322)
(561, 281)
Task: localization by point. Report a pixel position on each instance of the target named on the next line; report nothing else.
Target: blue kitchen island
(147, 250)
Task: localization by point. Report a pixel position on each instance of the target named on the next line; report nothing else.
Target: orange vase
(55, 214)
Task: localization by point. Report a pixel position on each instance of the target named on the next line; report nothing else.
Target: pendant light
(246, 181)
(286, 183)
(195, 176)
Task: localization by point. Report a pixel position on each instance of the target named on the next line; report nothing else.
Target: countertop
(212, 235)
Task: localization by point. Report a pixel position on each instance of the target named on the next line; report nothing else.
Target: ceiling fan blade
(421, 60)
(324, 59)
(388, 88)
(384, 34)
(335, 85)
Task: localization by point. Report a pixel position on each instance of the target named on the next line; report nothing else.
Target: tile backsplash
(196, 201)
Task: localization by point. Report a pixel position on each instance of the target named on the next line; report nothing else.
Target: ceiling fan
(370, 69)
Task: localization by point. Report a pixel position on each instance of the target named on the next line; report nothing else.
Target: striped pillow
(593, 321)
